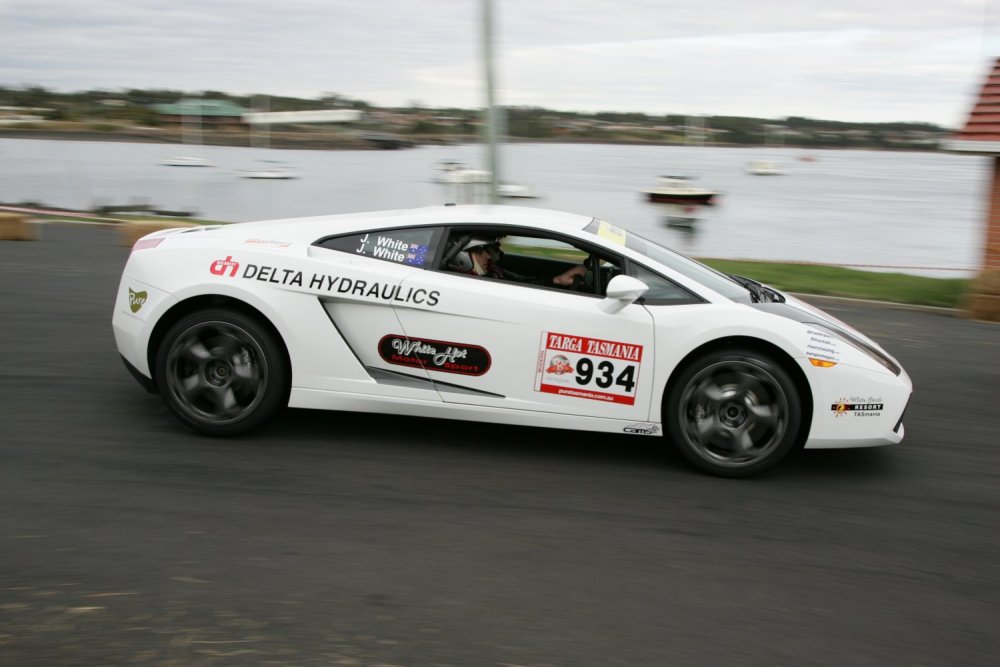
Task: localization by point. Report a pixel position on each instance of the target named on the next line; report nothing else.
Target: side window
(401, 246)
(662, 292)
(529, 258)
(541, 247)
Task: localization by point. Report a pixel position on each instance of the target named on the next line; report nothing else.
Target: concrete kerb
(812, 298)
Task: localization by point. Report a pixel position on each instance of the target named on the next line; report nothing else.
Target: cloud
(854, 60)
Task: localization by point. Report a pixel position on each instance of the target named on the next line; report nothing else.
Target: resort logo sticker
(136, 299)
(857, 406)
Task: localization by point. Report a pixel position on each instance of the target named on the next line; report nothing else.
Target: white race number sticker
(591, 368)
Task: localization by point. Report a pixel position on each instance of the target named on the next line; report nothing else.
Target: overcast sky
(857, 60)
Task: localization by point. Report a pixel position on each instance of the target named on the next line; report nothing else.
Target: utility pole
(490, 115)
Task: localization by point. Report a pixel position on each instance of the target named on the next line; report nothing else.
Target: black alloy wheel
(733, 413)
(221, 372)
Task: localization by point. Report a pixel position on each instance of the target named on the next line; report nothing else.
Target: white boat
(465, 175)
(275, 172)
(445, 169)
(515, 191)
(678, 190)
(764, 168)
(187, 161)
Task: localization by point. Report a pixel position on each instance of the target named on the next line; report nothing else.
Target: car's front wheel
(733, 412)
(221, 372)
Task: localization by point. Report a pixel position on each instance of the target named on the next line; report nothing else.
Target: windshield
(697, 271)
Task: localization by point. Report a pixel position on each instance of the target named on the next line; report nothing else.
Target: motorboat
(446, 169)
(187, 161)
(515, 191)
(764, 168)
(678, 190)
(277, 173)
(475, 182)
(271, 169)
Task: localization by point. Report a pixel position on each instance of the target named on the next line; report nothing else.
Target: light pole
(490, 115)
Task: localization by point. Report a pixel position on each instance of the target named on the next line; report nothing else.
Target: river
(920, 213)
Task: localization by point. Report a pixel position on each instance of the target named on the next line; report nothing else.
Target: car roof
(307, 230)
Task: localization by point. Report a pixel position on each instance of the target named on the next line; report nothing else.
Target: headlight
(876, 355)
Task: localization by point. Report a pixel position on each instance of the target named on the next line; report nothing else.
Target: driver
(479, 257)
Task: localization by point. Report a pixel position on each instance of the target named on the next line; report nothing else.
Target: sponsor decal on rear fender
(221, 267)
(136, 299)
(434, 355)
(323, 283)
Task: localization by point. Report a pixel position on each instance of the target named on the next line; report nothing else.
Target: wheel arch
(193, 304)
(779, 355)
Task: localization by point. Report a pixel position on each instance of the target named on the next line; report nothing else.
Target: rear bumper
(147, 383)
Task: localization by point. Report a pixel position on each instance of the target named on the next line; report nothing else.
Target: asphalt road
(354, 540)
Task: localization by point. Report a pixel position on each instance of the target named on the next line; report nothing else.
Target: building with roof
(981, 136)
(210, 113)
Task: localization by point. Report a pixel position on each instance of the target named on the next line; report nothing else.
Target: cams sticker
(642, 429)
(858, 406)
(136, 299)
(591, 368)
(434, 355)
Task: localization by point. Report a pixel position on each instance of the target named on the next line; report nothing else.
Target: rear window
(411, 246)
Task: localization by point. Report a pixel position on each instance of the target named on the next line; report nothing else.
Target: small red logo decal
(220, 266)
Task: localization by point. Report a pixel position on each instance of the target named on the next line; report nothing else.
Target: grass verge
(837, 281)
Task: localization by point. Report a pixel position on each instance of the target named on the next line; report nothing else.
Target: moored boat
(678, 190)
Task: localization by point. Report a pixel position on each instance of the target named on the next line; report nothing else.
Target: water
(921, 212)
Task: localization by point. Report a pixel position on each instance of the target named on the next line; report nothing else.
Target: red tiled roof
(983, 123)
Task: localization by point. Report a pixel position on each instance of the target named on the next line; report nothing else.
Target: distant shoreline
(299, 142)
(316, 141)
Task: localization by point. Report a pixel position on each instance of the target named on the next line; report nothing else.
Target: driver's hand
(565, 279)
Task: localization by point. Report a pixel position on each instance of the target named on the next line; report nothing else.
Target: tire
(733, 413)
(221, 372)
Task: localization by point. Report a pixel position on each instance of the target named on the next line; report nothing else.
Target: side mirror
(622, 290)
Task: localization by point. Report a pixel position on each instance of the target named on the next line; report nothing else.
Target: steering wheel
(584, 283)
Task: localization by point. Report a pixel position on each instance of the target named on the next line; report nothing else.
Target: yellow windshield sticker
(614, 234)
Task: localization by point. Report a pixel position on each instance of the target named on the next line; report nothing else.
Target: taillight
(142, 244)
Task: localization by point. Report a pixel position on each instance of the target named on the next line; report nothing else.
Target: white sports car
(496, 314)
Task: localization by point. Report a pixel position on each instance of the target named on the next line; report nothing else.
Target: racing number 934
(590, 368)
(605, 374)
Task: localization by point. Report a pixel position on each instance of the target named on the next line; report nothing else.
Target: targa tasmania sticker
(434, 355)
(591, 368)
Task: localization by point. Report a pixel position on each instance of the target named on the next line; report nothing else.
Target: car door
(505, 344)
(365, 272)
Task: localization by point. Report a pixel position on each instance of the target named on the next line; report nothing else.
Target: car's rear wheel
(733, 412)
(221, 372)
